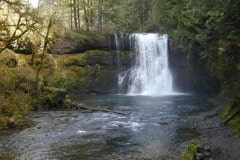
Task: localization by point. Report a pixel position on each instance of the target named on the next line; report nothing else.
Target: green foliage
(133, 15)
(58, 76)
(16, 20)
(207, 31)
(15, 105)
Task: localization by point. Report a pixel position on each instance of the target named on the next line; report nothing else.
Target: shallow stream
(152, 128)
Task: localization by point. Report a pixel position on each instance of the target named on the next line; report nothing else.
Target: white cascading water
(150, 74)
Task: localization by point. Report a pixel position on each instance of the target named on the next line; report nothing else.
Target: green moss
(16, 85)
(190, 152)
(232, 108)
(17, 106)
(48, 61)
(93, 57)
(53, 96)
(60, 78)
(8, 58)
(67, 103)
(126, 57)
(91, 72)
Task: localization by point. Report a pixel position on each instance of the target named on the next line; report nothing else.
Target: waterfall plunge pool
(153, 128)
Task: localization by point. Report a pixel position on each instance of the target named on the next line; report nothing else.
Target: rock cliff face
(94, 71)
(98, 68)
(191, 75)
(77, 42)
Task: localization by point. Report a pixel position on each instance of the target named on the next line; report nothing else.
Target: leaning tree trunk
(38, 86)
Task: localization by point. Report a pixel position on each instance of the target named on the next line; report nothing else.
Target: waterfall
(117, 41)
(149, 74)
(117, 48)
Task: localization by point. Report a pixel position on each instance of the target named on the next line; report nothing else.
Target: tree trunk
(71, 14)
(91, 13)
(82, 106)
(100, 14)
(75, 14)
(86, 18)
(78, 15)
(38, 86)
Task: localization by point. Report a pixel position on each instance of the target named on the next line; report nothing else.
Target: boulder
(11, 123)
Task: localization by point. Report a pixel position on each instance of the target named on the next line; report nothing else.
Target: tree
(16, 20)
(45, 44)
(207, 31)
(100, 14)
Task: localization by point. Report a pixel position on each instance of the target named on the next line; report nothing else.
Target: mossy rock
(17, 82)
(52, 96)
(17, 106)
(67, 103)
(126, 58)
(94, 71)
(95, 79)
(78, 42)
(9, 58)
(48, 61)
(190, 152)
(90, 58)
(232, 108)
(60, 78)
(12, 79)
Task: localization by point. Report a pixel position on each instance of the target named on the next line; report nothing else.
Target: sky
(34, 3)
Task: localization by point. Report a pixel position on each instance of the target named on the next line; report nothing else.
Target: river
(153, 128)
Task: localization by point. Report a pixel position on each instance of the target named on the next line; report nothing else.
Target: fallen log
(232, 116)
(77, 105)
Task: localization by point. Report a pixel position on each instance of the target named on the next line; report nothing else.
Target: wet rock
(163, 123)
(199, 149)
(207, 154)
(11, 123)
(202, 152)
(200, 156)
(207, 148)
